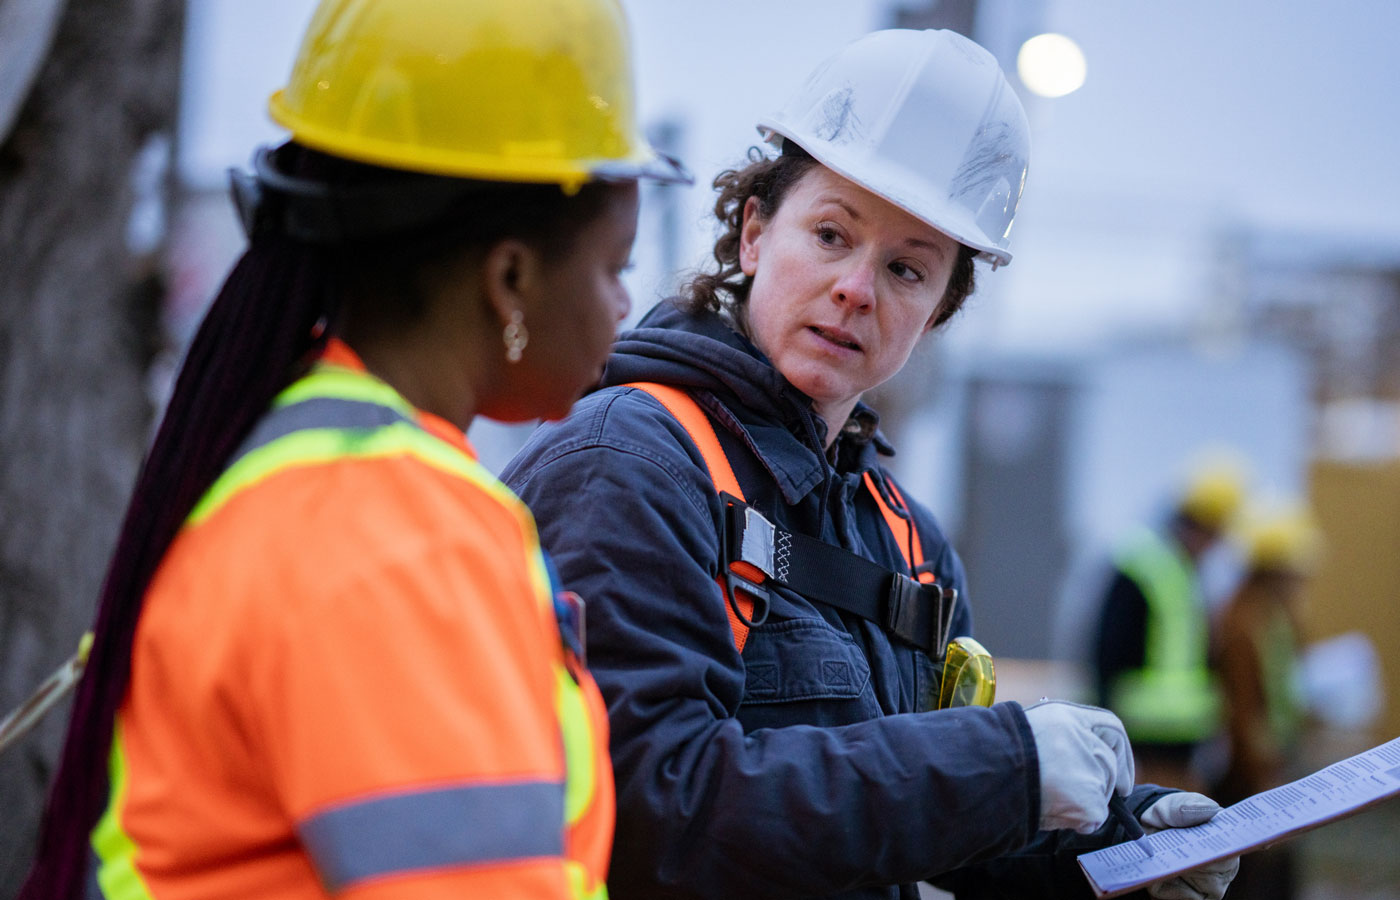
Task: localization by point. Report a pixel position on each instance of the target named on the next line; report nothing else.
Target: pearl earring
(515, 337)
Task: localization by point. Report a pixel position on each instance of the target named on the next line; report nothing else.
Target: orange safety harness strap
(911, 547)
(692, 418)
(752, 548)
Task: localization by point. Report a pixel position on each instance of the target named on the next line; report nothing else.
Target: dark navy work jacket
(808, 765)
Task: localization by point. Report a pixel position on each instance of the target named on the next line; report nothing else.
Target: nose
(855, 286)
(624, 305)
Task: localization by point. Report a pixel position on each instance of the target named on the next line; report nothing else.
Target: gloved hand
(1084, 757)
(1182, 810)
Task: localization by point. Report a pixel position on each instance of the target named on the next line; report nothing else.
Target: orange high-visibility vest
(349, 678)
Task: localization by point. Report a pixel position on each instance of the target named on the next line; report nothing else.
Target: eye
(828, 234)
(906, 272)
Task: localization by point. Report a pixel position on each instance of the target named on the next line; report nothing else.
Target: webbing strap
(911, 546)
(738, 607)
(918, 612)
(696, 424)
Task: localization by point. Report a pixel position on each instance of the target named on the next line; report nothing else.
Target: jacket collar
(338, 353)
(744, 393)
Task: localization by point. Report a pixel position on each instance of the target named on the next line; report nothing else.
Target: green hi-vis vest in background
(1173, 698)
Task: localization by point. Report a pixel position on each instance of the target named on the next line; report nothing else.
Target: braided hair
(268, 323)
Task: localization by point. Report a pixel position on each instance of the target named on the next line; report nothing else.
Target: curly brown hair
(768, 180)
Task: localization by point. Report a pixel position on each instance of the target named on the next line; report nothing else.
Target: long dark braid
(258, 333)
(271, 317)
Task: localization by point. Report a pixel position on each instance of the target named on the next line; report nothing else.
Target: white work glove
(1182, 810)
(1084, 757)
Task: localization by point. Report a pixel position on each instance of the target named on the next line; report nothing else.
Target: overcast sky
(1198, 118)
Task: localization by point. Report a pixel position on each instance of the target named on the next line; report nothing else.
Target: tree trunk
(78, 324)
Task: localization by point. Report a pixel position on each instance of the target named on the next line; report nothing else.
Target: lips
(836, 336)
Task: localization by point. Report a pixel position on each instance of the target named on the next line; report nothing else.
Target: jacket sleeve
(629, 514)
(1048, 868)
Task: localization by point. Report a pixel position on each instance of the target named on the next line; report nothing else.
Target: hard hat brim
(643, 163)
(885, 186)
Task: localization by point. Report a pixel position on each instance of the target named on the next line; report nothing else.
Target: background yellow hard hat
(1282, 537)
(501, 90)
(1214, 492)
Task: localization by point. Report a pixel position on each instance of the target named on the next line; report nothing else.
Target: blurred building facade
(1036, 462)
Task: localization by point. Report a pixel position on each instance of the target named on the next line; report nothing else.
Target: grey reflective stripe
(319, 412)
(436, 829)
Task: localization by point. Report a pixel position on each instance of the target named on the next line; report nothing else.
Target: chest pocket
(804, 671)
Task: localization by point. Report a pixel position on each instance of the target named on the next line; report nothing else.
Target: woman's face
(844, 284)
(579, 305)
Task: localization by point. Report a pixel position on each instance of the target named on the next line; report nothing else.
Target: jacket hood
(703, 351)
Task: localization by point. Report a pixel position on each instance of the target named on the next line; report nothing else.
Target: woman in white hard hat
(771, 621)
(330, 655)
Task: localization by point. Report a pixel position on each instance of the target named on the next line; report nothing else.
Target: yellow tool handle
(48, 695)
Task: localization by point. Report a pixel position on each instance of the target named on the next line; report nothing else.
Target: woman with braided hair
(330, 655)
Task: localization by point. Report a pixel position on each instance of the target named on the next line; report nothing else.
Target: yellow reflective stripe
(1166, 705)
(311, 446)
(579, 879)
(579, 760)
(1176, 636)
(117, 874)
(540, 582)
(327, 380)
(1173, 697)
(321, 445)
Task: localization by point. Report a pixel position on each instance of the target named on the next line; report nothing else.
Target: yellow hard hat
(1284, 537)
(500, 90)
(1214, 492)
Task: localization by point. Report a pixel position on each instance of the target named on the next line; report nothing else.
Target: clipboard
(1334, 792)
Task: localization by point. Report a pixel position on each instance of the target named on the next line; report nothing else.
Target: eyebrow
(851, 211)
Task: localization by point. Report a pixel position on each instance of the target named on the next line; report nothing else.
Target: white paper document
(1337, 791)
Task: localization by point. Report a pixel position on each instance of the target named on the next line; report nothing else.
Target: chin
(821, 390)
(560, 409)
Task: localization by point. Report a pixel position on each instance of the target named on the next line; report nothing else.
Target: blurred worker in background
(1152, 644)
(330, 655)
(1256, 655)
(785, 732)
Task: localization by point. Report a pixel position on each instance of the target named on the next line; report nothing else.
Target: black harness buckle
(911, 612)
(732, 535)
(734, 583)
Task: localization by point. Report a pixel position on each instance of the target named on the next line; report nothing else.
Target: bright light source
(1051, 65)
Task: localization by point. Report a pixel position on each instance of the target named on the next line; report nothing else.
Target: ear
(749, 233)
(511, 275)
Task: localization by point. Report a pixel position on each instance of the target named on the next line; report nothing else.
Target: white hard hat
(924, 119)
